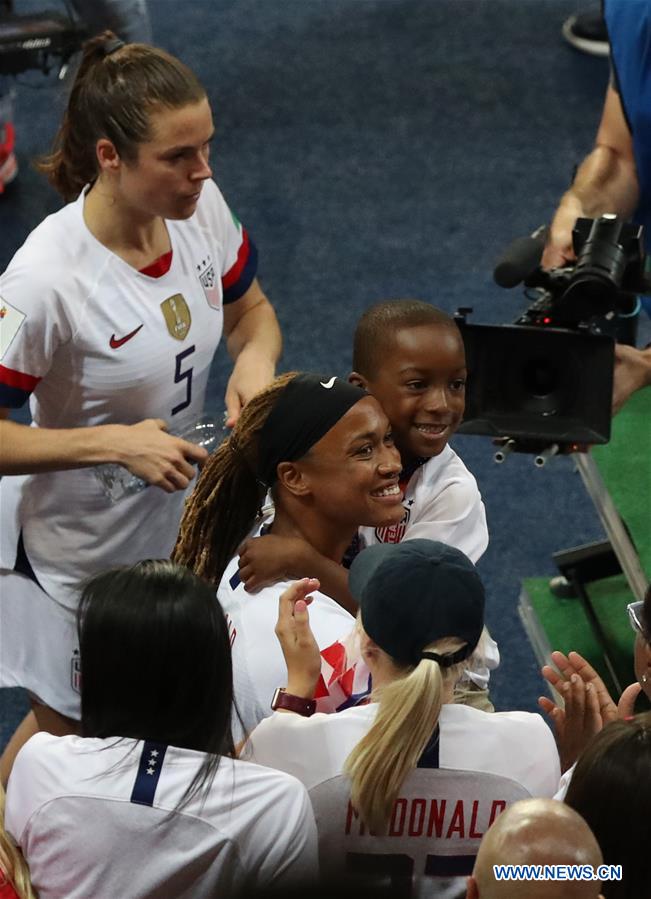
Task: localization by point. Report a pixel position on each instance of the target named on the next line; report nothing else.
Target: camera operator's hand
(559, 250)
(632, 372)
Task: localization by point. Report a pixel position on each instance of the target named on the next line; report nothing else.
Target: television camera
(543, 384)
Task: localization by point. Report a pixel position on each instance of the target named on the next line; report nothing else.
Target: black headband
(305, 411)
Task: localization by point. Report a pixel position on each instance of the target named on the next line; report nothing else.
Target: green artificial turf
(625, 466)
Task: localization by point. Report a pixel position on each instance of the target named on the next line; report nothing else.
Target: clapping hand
(296, 639)
(588, 705)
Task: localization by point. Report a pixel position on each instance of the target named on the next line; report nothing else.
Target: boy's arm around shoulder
(268, 559)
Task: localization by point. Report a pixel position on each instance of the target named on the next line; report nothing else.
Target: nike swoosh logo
(116, 342)
(329, 384)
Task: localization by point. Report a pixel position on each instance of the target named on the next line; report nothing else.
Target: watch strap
(289, 702)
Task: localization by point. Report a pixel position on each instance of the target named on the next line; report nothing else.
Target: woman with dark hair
(324, 450)
(408, 783)
(611, 790)
(148, 801)
(111, 314)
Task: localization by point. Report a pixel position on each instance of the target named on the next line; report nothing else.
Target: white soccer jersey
(92, 341)
(441, 502)
(100, 818)
(258, 662)
(481, 763)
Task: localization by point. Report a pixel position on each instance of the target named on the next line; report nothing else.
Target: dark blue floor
(378, 149)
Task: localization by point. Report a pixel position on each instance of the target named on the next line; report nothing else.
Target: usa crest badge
(393, 533)
(208, 279)
(75, 672)
(177, 316)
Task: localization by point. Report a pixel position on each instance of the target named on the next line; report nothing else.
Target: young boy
(410, 356)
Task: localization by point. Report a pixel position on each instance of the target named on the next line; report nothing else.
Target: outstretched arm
(145, 449)
(606, 182)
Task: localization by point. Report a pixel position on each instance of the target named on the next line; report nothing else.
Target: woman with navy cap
(410, 775)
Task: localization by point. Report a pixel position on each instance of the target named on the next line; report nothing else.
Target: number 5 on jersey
(181, 375)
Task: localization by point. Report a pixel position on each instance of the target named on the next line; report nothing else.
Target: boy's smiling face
(420, 383)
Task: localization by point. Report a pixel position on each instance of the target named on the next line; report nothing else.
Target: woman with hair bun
(112, 312)
(149, 800)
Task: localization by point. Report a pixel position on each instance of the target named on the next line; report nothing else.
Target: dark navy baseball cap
(414, 593)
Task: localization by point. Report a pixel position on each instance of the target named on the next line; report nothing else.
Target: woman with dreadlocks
(324, 449)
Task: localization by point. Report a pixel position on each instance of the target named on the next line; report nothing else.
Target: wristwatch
(283, 700)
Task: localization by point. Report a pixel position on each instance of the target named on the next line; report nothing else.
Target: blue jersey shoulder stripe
(13, 397)
(248, 273)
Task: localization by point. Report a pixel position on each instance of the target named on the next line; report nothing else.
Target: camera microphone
(520, 259)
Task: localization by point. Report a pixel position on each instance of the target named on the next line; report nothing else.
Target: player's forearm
(257, 334)
(25, 450)
(606, 182)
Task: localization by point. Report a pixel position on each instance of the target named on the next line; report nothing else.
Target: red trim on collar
(159, 267)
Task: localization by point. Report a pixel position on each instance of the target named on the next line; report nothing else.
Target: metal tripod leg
(612, 522)
(597, 630)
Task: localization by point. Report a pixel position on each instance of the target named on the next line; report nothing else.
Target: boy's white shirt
(441, 502)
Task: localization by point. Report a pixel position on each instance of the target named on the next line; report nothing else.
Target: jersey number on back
(398, 869)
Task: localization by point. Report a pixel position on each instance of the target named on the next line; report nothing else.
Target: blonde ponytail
(13, 867)
(409, 710)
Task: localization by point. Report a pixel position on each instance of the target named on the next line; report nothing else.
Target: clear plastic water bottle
(117, 481)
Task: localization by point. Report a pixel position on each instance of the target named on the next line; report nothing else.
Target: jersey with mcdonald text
(474, 767)
(92, 341)
(105, 818)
